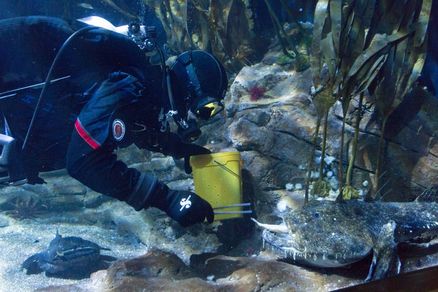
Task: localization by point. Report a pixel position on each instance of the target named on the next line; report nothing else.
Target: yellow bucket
(217, 179)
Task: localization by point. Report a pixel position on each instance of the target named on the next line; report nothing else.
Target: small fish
(86, 6)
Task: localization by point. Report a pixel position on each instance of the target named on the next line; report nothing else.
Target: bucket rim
(217, 155)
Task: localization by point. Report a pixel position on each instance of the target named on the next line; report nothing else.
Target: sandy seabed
(24, 238)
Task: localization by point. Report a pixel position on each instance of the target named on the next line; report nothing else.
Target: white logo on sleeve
(185, 203)
(119, 130)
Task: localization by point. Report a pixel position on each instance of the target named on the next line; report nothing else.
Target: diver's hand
(175, 147)
(171, 144)
(188, 208)
(178, 149)
(193, 150)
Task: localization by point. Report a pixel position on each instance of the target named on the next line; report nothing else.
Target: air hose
(49, 77)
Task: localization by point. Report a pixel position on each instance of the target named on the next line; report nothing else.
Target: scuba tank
(10, 148)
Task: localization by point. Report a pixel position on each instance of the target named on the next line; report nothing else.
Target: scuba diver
(69, 99)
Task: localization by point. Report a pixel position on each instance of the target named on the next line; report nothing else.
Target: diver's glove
(171, 144)
(192, 149)
(185, 207)
(174, 146)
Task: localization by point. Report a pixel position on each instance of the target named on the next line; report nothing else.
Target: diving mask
(208, 108)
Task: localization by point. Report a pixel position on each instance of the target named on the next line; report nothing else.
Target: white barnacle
(329, 159)
(314, 174)
(210, 278)
(282, 205)
(318, 159)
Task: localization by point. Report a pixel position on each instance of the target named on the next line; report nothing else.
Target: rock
(161, 271)
(155, 230)
(10, 193)
(69, 189)
(186, 184)
(66, 203)
(155, 263)
(133, 154)
(42, 190)
(162, 284)
(93, 199)
(274, 134)
(155, 271)
(252, 274)
(4, 221)
(162, 163)
(20, 203)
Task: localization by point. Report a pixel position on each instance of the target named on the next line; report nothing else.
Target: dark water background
(71, 10)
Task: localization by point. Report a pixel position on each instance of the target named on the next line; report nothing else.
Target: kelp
(354, 42)
(340, 27)
(287, 44)
(225, 28)
(316, 61)
(118, 9)
(402, 68)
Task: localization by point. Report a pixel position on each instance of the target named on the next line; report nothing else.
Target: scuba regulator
(188, 100)
(146, 39)
(192, 101)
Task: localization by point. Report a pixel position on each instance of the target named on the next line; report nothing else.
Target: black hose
(49, 77)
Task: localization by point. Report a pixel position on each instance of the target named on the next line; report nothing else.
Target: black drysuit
(112, 98)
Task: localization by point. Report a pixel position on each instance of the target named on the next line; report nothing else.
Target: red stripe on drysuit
(85, 135)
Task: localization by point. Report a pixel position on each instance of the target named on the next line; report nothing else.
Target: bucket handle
(226, 168)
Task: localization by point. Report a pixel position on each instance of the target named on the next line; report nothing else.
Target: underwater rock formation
(158, 271)
(274, 135)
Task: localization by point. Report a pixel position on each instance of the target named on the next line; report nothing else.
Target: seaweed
(358, 45)
(288, 46)
(403, 66)
(225, 28)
